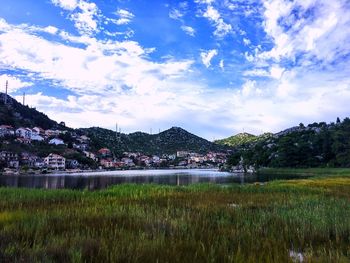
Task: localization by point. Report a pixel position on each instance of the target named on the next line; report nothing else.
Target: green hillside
(15, 114)
(169, 141)
(242, 139)
(316, 145)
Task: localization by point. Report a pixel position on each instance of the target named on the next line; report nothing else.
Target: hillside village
(69, 143)
(31, 142)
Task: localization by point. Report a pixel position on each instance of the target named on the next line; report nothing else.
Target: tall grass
(198, 223)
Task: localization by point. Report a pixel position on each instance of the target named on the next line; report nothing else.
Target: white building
(90, 155)
(55, 161)
(38, 131)
(6, 130)
(56, 141)
(36, 137)
(182, 154)
(24, 132)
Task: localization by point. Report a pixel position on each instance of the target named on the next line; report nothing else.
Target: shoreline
(102, 172)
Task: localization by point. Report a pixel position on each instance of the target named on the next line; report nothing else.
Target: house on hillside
(39, 163)
(83, 139)
(128, 162)
(90, 155)
(6, 130)
(72, 164)
(56, 141)
(55, 161)
(182, 154)
(28, 159)
(104, 152)
(24, 133)
(80, 146)
(107, 163)
(10, 159)
(50, 133)
(38, 131)
(37, 137)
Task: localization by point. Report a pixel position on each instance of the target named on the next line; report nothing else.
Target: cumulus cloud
(305, 73)
(98, 67)
(301, 75)
(214, 16)
(124, 17)
(84, 14)
(208, 56)
(315, 30)
(188, 30)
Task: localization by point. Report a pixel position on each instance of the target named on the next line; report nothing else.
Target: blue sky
(213, 67)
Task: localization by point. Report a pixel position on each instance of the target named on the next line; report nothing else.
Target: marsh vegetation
(196, 223)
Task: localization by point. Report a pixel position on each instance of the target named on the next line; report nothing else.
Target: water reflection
(93, 181)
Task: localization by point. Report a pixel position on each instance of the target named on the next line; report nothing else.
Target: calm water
(100, 180)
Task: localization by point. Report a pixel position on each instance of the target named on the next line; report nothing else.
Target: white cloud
(84, 14)
(189, 30)
(124, 17)
(257, 72)
(66, 4)
(221, 64)
(98, 67)
(51, 29)
(117, 81)
(214, 16)
(208, 56)
(175, 14)
(276, 72)
(318, 30)
(246, 41)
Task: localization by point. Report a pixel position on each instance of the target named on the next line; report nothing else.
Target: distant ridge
(168, 141)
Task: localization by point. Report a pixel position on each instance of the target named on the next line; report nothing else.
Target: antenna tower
(7, 85)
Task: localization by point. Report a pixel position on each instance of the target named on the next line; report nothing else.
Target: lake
(101, 180)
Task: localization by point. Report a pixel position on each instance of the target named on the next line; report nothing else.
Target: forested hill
(242, 138)
(169, 141)
(15, 114)
(318, 144)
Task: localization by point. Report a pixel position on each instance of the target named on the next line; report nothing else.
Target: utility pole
(7, 84)
(24, 98)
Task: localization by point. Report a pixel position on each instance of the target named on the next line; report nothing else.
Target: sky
(212, 67)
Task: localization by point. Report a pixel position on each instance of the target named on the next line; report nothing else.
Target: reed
(197, 223)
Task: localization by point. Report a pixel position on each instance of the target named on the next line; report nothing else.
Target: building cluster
(29, 135)
(104, 158)
(183, 159)
(25, 135)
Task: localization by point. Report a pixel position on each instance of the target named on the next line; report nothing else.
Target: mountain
(242, 139)
(15, 114)
(169, 141)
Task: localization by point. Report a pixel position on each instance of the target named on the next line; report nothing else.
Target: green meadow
(271, 222)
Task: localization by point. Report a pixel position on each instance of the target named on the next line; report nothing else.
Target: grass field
(197, 223)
